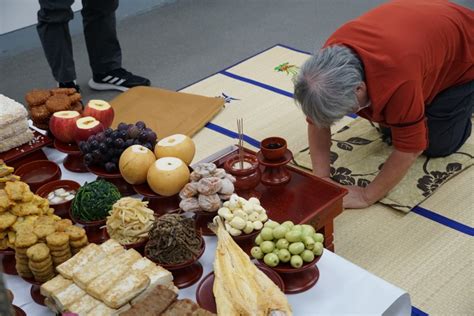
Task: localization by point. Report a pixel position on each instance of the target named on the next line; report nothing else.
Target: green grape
(296, 248)
(271, 260)
(256, 252)
(284, 255)
(296, 261)
(282, 243)
(267, 233)
(307, 256)
(279, 231)
(293, 236)
(267, 246)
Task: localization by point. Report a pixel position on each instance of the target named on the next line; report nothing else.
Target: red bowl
(178, 266)
(286, 268)
(204, 292)
(273, 153)
(88, 225)
(61, 209)
(38, 173)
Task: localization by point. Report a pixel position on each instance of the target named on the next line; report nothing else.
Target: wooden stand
(74, 160)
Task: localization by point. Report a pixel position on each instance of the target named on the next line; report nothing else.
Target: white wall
(16, 14)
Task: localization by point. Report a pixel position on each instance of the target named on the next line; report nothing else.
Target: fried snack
(58, 102)
(16, 190)
(40, 114)
(38, 252)
(75, 233)
(62, 224)
(76, 97)
(6, 220)
(37, 97)
(77, 106)
(66, 91)
(43, 230)
(5, 201)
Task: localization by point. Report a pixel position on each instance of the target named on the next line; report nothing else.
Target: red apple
(85, 127)
(62, 124)
(101, 110)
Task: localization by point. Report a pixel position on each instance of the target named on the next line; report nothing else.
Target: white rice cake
(84, 305)
(126, 289)
(67, 296)
(54, 285)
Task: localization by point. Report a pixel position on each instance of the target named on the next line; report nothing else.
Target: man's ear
(361, 89)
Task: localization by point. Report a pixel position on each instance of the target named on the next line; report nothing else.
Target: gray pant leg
(101, 36)
(53, 31)
(449, 120)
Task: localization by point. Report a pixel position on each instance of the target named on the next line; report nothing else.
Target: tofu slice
(67, 268)
(157, 274)
(111, 246)
(54, 285)
(100, 285)
(125, 290)
(68, 296)
(92, 270)
(84, 305)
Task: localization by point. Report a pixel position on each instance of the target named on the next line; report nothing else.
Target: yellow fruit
(135, 162)
(167, 176)
(178, 145)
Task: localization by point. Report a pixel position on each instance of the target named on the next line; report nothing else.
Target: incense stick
(240, 130)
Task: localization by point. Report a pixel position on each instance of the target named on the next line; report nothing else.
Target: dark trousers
(448, 120)
(98, 17)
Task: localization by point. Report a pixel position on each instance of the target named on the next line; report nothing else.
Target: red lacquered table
(305, 199)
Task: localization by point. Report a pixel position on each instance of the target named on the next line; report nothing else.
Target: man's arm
(319, 140)
(393, 171)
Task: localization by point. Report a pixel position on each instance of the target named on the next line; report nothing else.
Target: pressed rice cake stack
(14, 129)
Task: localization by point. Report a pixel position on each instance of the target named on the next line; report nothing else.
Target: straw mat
(433, 262)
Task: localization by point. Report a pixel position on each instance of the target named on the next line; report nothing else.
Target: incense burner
(246, 171)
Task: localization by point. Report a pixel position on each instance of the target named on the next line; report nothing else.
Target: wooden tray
(26, 152)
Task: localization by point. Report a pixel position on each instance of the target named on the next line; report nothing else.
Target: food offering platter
(204, 292)
(74, 160)
(158, 203)
(7, 256)
(297, 280)
(114, 178)
(30, 151)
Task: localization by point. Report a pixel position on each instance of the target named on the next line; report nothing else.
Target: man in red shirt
(407, 65)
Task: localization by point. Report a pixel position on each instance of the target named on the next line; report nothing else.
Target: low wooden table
(306, 199)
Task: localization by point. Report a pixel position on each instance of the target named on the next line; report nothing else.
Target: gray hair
(325, 87)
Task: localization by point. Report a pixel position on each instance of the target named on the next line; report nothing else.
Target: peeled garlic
(248, 228)
(238, 223)
(263, 217)
(257, 225)
(234, 232)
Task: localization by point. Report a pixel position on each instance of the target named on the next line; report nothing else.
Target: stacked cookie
(77, 238)
(58, 243)
(40, 262)
(43, 103)
(22, 243)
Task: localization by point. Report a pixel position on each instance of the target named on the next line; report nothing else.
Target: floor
(183, 41)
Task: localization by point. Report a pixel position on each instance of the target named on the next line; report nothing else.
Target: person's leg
(105, 55)
(101, 36)
(449, 120)
(53, 31)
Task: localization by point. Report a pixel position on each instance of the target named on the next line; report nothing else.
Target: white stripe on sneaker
(106, 78)
(120, 82)
(115, 79)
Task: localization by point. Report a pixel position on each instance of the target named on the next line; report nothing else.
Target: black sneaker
(70, 84)
(118, 79)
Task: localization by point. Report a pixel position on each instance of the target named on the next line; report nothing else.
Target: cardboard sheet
(166, 112)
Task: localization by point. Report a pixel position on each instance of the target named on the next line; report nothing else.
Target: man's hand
(356, 198)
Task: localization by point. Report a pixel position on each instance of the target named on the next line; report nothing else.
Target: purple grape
(128, 143)
(136, 142)
(94, 144)
(152, 137)
(97, 156)
(103, 148)
(140, 124)
(122, 127)
(148, 145)
(118, 143)
(84, 147)
(110, 167)
(143, 136)
(91, 138)
(114, 135)
(108, 131)
(133, 132)
(88, 159)
(123, 135)
(100, 137)
(109, 141)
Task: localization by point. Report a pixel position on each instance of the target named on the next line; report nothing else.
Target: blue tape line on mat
(444, 220)
(232, 134)
(417, 312)
(258, 84)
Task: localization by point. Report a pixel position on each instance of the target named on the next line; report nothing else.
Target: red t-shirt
(411, 51)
